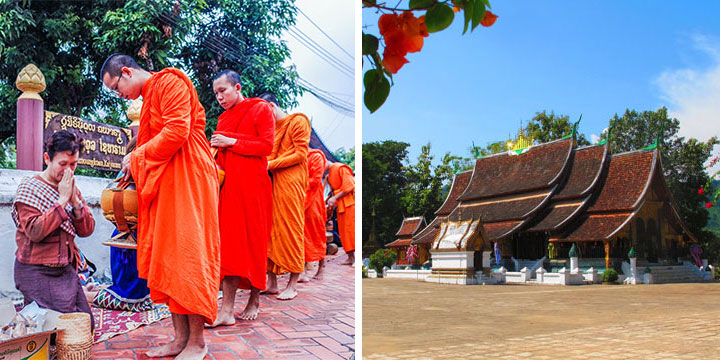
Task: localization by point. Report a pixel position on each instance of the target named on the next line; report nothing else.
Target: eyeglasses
(115, 88)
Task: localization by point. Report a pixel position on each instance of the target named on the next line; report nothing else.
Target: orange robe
(288, 164)
(340, 178)
(315, 215)
(246, 196)
(178, 233)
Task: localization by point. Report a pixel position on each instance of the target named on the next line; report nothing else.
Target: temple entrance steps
(663, 274)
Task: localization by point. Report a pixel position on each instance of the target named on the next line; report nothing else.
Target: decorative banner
(105, 145)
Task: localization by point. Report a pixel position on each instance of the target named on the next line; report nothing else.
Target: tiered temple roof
(408, 228)
(430, 232)
(574, 194)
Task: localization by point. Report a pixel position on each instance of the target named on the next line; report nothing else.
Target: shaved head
(231, 76)
(114, 63)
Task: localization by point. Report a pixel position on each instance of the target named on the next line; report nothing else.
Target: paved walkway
(671, 321)
(318, 324)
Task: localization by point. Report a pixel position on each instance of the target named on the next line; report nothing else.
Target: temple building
(533, 202)
(409, 228)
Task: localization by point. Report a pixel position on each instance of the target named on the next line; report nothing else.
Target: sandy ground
(405, 316)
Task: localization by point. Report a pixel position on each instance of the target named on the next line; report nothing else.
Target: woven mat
(109, 323)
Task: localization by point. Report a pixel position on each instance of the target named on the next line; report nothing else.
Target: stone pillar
(133, 113)
(563, 276)
(30, 115)
(705, 264)
(526, 275)
(633, 271)
(592, 275)
(486, 258)
(540, 273)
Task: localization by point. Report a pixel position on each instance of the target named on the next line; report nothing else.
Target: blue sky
(572, 57)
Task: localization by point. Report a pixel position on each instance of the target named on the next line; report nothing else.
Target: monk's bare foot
(347, 262)
(287, 294)
(319, 275)
(193, 352)
(251, 311)
(222, 319)
(304, 278)
(271, 291)
(170, 349)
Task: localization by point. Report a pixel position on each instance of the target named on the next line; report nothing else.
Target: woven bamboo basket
(74, 341)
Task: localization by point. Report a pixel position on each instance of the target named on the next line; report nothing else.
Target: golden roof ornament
(133, 112)
(30, 81)
(520, 142)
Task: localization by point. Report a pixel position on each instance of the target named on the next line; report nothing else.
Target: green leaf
(487, 4)
(377, 89)
(421, 4)
(439, 17)
(369, 44)
(478, 13)
(469, 8)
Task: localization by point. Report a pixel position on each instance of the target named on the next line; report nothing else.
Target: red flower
(700, 192)
(708, 204)
(393, 63)
(488, 19)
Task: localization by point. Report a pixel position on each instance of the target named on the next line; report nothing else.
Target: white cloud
(693, 95)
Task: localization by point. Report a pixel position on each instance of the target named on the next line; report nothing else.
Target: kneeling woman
(49, 212)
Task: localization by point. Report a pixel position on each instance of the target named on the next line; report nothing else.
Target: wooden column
(30, 115)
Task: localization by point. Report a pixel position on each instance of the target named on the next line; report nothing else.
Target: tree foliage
(346, 157)
(69, 40)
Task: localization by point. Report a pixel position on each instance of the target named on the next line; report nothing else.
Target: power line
(320, 52)
(326, 35)
(222, 45)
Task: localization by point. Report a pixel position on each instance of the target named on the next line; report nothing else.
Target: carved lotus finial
(133, 112)
(30, 81)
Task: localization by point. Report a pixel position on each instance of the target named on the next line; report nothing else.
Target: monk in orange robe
(340, 178)
(288, 165)
(315, 216)
(178, 233)
(244, 136)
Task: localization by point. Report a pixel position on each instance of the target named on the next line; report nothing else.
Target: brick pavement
(318, 324)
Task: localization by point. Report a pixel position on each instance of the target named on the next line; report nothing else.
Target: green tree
(346, 157)
(682, 160)
(383, 180)
(69, 41)
(545, 128)
(427, 184)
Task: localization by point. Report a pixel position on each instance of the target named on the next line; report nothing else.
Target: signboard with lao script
(105, 145)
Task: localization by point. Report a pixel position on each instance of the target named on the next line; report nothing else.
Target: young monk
(178, 233)
(340, 178)
(49, 212)
(244, 137)
(288, 164)
(315, 214)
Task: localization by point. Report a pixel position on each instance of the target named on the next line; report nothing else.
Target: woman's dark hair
(61, 141)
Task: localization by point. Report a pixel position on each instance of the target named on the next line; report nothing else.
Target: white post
(705, 264)
(563, 276)
(574, 265)
(526, 275)
(486, 258)
(539, 275)
(592, 275)
(633, 271)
